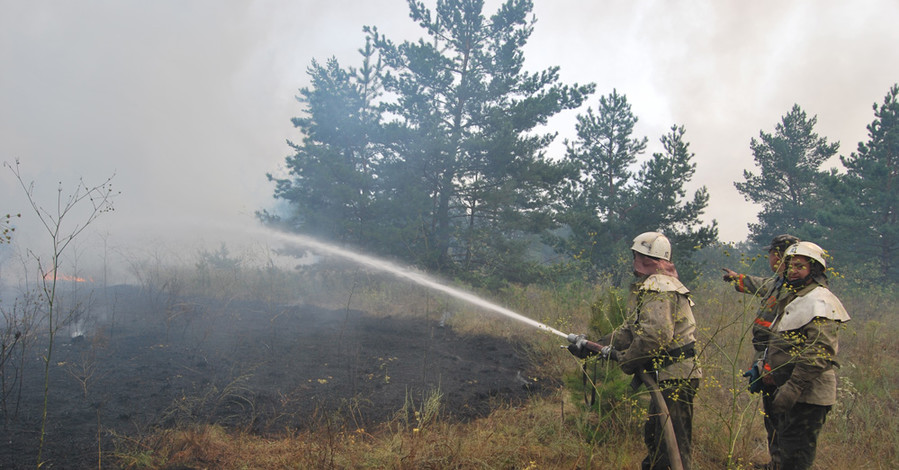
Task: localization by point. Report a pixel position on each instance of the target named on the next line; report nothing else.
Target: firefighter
(658, 337)
(800, 358)
(769, 289)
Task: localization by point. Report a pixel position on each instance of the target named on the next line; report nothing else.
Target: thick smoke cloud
(189, 103)
(727, 70)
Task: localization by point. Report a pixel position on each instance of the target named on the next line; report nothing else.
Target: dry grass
(534, 436)
(555, 431)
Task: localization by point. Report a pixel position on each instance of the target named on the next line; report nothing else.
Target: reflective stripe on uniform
(740, 286)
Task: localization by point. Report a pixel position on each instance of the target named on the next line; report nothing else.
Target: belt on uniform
(671, 356)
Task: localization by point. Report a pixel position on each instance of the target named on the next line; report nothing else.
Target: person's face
(774, 260)
(799, 267)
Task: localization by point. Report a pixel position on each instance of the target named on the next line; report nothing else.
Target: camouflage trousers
(679, 400)
(795, 439)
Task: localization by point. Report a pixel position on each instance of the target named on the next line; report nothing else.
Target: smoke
(188, 104)
(727, 70)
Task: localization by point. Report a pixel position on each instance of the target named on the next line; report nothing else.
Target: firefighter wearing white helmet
(659, 338)
(770, 290)
(808, 249)
(653, 244)
(800, 359)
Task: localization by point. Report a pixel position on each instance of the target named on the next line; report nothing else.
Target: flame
(66, 277)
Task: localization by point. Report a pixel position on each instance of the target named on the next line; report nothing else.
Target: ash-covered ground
(155, 363)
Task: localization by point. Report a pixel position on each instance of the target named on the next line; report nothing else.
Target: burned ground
(249, 367)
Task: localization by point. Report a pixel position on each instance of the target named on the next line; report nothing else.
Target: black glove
(785, 398)
(578, 348)
(729, 276)
(754, 376)
(608, 353)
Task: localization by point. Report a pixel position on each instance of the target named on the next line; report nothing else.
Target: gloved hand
(729, 275)
(608, 353)
(755, 385)
(578, 347)
(786, 396)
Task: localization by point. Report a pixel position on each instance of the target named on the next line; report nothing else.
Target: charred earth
(147, 363)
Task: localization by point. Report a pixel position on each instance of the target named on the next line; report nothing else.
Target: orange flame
(66, 277)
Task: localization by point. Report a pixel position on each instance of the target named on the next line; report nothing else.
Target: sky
(187, 104)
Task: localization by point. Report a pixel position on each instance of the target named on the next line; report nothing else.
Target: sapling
(91, 202)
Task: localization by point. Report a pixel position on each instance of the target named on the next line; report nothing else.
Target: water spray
(427, 281)
(414, 276)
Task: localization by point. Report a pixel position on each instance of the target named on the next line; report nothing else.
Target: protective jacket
(770, 291)
(804, 343)
(659, 334)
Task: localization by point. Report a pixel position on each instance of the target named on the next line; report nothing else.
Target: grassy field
(554, 429)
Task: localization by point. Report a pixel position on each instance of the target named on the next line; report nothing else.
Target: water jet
(409, 274)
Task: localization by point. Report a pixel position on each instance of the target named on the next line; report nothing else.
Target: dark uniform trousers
(796, 436)
(679, 399)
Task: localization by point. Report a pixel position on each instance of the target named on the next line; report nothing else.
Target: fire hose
(654, 392)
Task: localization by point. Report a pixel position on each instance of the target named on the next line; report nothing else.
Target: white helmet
(808, 249)
(653, 244)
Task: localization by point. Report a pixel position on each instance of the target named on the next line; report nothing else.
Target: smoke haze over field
(188, 104)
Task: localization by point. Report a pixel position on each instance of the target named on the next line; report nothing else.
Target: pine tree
(603, 153)
(660, 198)
(467, 111)
(605, 204)
(332, 181)
(788, 185)
(599, 194)
(872, 176)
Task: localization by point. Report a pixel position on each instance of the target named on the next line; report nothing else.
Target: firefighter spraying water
(656, 346)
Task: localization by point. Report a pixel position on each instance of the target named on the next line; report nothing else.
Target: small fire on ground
(66, 277)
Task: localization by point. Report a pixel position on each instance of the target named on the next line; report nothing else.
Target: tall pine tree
(872, 177)
(605, 204)
(603, 153)
(661, 200)
(596, 199)
(789, 183)
(467, 113)
(332, 183)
